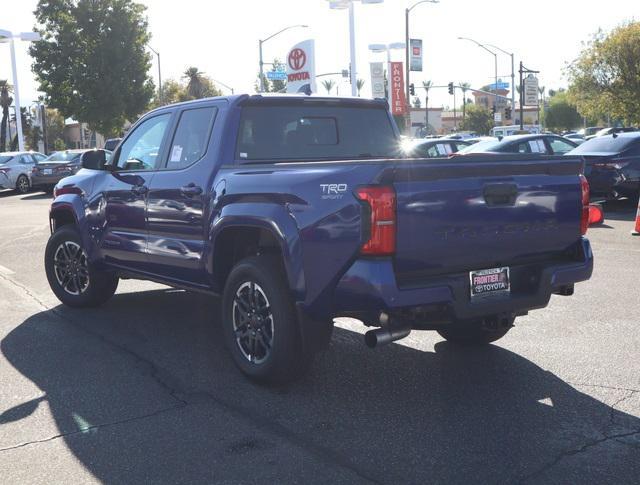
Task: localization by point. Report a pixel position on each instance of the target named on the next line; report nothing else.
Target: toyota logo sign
(297, 59)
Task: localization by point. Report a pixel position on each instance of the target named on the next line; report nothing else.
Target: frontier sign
(398, 102)
(301, 68)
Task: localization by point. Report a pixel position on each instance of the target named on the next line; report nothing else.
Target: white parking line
(5, 270)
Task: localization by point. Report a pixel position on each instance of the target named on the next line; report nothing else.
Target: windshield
(61, 157)
(315, 132)
(5, 158)
(481, 146)
(605, 144)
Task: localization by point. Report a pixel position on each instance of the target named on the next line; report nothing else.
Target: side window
(25, 160)
(141, 149)
(191, 138)
(432, 151)
(37, 157)
(537, 146)
(560, 146)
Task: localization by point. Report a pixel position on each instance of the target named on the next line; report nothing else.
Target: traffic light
(450, 88)
(507, 113)
(412, 89)
(493, 109)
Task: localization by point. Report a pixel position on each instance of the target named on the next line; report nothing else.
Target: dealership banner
(301, 68)
(398, 103)
(377, 80)
(416, 54)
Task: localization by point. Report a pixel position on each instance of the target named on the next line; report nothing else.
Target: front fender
(70, 207)
(274, 218)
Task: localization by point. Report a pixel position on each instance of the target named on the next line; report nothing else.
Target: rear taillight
(584, 219)
(66, 190)
(382, 204)
(34, 170)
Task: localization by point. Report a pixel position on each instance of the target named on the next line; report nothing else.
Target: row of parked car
(612, 161)
(25, 171)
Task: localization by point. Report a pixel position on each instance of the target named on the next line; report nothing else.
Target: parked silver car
(15, 169)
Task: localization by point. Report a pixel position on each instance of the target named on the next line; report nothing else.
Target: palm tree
(426, 85)
(465, 87)
(328, 85)
(5, 101)
(359, 85)
(195, 83)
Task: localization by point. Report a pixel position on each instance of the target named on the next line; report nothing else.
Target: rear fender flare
(273, 218)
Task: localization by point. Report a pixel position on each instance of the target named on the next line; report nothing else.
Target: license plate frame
(491, 282)
(47, 171)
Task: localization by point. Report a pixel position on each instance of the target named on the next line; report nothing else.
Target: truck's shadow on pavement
(143, 391)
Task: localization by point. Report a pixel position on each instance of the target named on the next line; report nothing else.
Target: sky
(221, 37)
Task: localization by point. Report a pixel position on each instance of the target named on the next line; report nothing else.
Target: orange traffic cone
(636, 231)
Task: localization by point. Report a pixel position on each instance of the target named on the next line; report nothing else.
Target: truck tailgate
(469, 213)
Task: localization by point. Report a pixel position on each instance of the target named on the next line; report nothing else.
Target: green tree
(605, 78)
(25, 118)
(195, 83)
(328, 85)
(478, 119)
(465, 87)
(561, 113)
(54, 123)
(92, 63)
(5, 102)
(275, 86)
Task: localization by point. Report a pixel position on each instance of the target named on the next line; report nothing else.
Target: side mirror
(94, 159)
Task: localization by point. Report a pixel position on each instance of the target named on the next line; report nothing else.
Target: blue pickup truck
(299, 209)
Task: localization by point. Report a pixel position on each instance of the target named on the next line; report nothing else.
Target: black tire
(23, 185)
(473, 333)
(277, 355)
(86, 286)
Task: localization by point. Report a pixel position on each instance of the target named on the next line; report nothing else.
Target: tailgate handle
(500, 194)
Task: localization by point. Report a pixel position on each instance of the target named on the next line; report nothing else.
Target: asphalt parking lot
(143, 391)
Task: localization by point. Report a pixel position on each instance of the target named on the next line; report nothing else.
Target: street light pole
(352, 49)
(349, 4)
(6, 36)
(407, 40)
(495, 57)
(160, 96)
(513, 74)
(16, 91)
(262, 41)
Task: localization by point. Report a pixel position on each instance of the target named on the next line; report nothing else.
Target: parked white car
(15, 169)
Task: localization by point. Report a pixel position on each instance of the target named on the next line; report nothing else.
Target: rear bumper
(46, 180)
(612, 184)
(370, 287)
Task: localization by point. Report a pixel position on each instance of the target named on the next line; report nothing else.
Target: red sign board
(398, 102)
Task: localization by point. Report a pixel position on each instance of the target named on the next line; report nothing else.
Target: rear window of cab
(299, 133)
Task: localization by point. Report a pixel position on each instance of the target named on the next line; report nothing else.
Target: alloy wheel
(71, 268)
(253, 322)
(23, 185)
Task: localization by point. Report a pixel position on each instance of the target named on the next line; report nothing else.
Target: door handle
(191, 190)
(139, 189)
